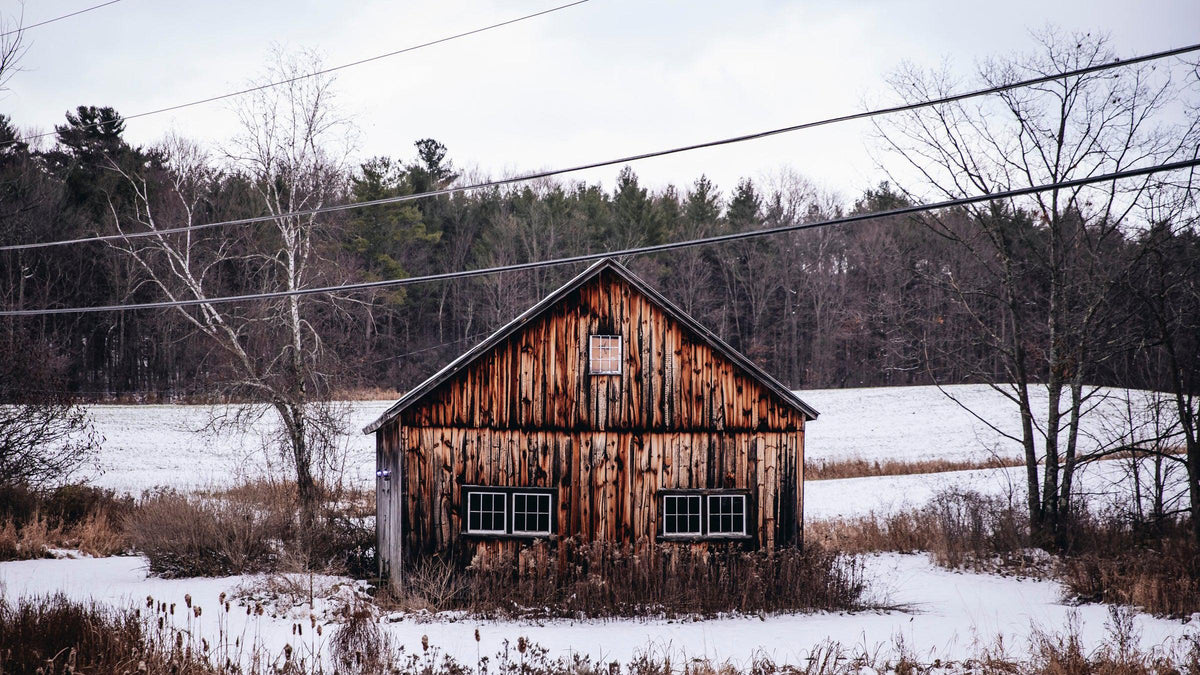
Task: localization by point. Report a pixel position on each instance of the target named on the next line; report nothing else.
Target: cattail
(318, 629)
(204, 643)
(172, 609)
(425, 642)
(149, 602)
(226, 606)
(312, 620)
(197, 609)
(477, 635)
(287, 652)
(187, 600)
(521, 644)
(221, 598)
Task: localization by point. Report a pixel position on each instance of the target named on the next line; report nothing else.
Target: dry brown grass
(573, 579)
(1108, 558)
(99, 536)
(861, 468)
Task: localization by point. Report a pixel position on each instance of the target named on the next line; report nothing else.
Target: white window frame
(538, 496)
(699, 499)
(708, 514)
(503, 511)
(592, 369)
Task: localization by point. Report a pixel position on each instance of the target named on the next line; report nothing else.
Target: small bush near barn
(605, 580)
(249, 528)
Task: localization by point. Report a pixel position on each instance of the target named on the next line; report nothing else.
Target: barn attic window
(604, 355)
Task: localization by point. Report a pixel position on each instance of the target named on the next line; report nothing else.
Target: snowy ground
(158, 445)
(946, 615)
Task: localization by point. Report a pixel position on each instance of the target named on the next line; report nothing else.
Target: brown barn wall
(607, 482)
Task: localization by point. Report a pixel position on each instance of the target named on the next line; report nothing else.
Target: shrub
(185, 536)
(70, 516)
(1113, 562)
(73, 505)
(961, 529)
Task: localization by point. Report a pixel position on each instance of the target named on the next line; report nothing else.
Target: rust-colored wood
(528, 413)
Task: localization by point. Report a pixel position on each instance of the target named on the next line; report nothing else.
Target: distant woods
(876, 303)
(889, 301)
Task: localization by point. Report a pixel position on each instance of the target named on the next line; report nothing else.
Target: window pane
(604, 354)
(486, 512)
(531, 513)
(726, 514)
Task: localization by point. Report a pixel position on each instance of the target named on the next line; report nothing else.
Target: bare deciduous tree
(1054, 259)
(291, 153)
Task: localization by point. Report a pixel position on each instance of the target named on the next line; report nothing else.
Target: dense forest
(860, 305)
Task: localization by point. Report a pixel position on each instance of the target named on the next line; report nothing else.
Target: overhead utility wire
(640, 250)
(21, 29)
(620, 160)
(326, 71)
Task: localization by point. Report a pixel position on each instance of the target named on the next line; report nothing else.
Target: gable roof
(720, 346)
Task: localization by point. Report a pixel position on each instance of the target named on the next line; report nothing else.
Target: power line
(620, 160)
(58, 18)
(641, 250)
(326, 71)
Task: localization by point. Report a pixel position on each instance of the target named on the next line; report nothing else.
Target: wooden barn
(603, 412)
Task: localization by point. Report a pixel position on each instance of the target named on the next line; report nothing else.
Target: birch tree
(290, 153)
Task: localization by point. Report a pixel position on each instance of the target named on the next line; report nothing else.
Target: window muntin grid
(486, 512)
(531, 513)
(681, 515)
(726, 515)
(604, 354)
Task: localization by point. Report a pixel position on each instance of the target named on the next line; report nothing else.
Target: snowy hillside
(161, 445)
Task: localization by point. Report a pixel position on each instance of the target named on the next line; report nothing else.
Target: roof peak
(607, 262)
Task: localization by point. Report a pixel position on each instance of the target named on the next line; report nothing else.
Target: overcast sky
(606, 78)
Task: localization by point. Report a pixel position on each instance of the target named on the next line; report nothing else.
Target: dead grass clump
(183, 536)
(357, 644)
(1155, 569)
(52, 634)
(98, 536)
(961, 529)
(573, 579)
(70, 516)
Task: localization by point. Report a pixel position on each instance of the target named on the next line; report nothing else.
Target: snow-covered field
(944, 614)
(157, 445)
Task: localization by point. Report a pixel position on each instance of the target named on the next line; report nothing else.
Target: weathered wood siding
(538, 379)
(607, 482)
(527, 413)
